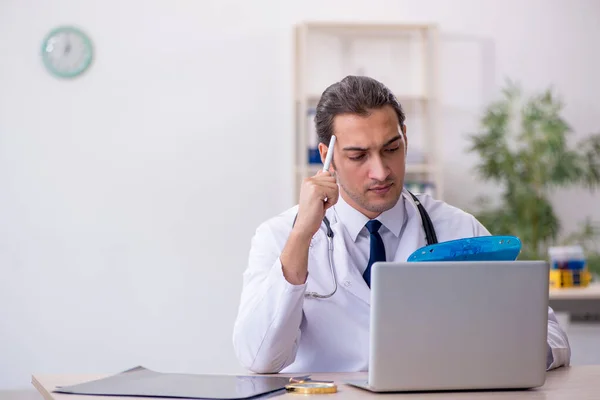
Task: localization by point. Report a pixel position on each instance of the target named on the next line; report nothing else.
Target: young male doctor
(280, 327)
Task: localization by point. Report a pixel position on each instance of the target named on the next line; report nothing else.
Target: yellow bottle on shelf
(568, 267)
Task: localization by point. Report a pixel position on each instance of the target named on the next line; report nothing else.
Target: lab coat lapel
(350, 278)
(413, 236)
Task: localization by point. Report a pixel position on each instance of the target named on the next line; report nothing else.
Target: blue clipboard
(480, 248)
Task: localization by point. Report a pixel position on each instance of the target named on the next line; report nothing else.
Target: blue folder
(481, 248)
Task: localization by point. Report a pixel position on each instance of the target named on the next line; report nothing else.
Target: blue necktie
(377, 248)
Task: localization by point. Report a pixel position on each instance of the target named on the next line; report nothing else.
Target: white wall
(122, 232)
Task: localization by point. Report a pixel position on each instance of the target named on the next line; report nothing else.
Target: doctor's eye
(393, 149)
(357, 158)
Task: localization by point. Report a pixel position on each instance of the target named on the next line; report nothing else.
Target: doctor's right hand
(317, 194)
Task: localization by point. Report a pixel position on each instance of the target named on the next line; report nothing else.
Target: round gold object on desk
(312, 387)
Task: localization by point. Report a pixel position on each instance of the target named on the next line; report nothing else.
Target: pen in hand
(329, 156)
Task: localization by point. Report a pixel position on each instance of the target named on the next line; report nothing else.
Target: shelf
(405, 57)
(420, 169)
(365, 29)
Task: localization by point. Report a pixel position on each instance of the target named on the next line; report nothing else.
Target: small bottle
(567, 258)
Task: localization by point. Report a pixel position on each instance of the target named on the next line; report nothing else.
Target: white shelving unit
(404, 57)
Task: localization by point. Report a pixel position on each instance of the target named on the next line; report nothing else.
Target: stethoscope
(430, 236)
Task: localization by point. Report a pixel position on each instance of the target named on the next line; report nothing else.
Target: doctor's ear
(323, 149)
(403, 129)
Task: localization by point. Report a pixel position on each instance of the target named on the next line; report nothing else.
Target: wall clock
(67, 52)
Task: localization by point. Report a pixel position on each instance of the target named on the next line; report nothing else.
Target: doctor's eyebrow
(355, 148)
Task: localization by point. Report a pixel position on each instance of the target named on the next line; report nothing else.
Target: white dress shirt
(357, 236)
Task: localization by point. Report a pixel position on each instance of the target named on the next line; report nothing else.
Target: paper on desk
(142, 382)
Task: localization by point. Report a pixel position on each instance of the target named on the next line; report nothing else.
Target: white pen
(329, 154)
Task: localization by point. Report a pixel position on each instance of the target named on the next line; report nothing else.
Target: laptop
(447, 326)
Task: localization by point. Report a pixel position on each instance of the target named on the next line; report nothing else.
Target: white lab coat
(278, 330)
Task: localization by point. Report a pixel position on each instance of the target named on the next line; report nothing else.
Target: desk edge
(41, 389)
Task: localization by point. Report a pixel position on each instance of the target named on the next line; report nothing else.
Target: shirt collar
(355, 221)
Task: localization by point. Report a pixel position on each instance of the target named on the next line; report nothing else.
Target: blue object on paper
(480, 248)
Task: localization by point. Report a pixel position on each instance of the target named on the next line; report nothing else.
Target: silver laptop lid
(458, 325)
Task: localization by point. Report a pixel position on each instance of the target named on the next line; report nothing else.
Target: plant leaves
(523, 146)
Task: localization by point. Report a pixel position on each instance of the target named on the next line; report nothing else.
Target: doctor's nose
(378, 170)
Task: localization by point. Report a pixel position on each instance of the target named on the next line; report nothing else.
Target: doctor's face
(369, 160)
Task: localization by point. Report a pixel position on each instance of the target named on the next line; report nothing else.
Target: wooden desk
(576, 300)
(580, 383)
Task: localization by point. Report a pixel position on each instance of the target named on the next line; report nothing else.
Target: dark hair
(352, 95)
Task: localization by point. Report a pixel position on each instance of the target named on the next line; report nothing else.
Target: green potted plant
(523, 147)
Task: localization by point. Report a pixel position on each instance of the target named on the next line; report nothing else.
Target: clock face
(67, 52)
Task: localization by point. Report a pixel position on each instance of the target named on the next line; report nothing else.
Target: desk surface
(592, 291)
(579, 382)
